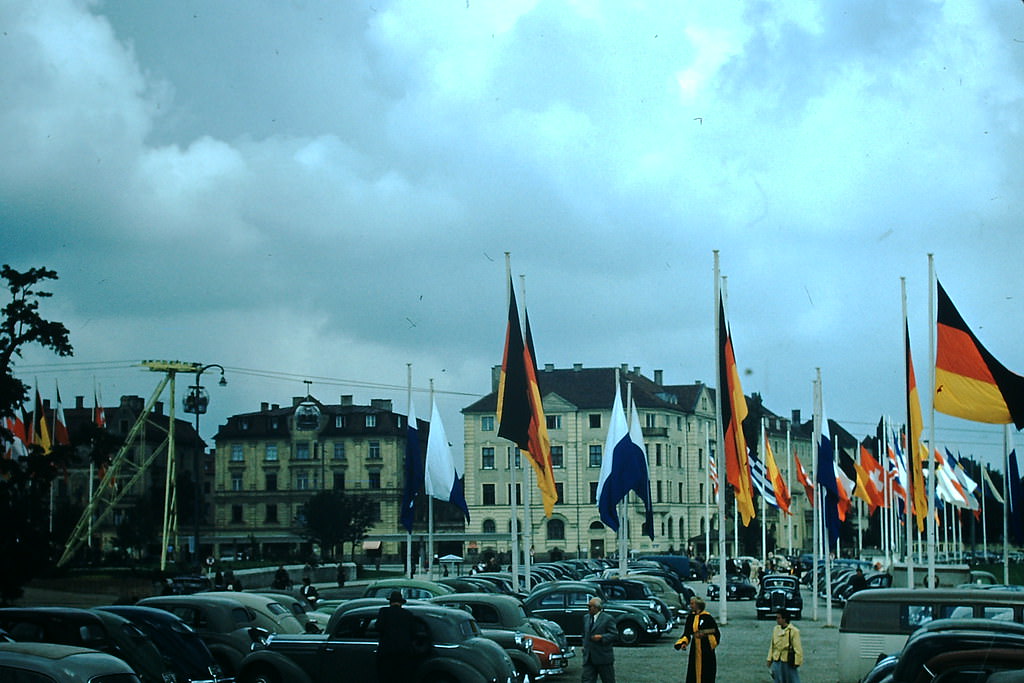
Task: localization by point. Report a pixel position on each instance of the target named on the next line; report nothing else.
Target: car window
(241, 616)
(578, 598)
(553, 599)
(1000, 613)
(521, 613)
(957, 611)
(276, 608)
(485, 614)
(12, 675)
(363, 627)
(912, 616)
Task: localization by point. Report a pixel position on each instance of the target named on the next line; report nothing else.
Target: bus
(877, 622)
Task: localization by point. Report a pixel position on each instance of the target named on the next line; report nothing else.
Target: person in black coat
(599, 635)
(701, 636)
(400, 638)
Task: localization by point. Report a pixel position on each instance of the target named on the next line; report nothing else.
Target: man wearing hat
(396, 629)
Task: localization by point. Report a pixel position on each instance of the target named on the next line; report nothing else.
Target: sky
(325, 191)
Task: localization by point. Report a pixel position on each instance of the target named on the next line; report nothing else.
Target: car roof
(59, 660)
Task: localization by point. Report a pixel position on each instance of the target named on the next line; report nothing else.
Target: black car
(182, 648)
(565, 603)
(94, 630)
(737, 587)
(450, 648)
(636, 593)
(779, 592)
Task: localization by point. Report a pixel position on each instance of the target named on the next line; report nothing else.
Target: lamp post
(196, 402)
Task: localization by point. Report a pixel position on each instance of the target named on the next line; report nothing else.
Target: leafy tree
(333, 517)
(25, 482)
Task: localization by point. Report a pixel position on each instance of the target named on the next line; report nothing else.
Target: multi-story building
(679, 429)
(271, 462)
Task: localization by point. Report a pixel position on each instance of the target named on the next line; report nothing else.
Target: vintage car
(226, 626)
(299, 608)
(94, 630)
(737, 587)
(631, 592)
(954, 650)
(45, 662)
(267, 607)
(450, 647)
(181, 647)
(411, 589)
(493, 611)
(565, 603)
(677, 602)
(779, 592)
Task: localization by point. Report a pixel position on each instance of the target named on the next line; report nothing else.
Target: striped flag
(713, 474)
(782, 497)
(759, 477)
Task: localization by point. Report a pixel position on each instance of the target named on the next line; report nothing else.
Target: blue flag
(1016, 492)
(624, 469)
(413, 470)
(826, 475)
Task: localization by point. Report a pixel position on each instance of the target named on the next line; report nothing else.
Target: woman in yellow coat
(785, 653)
(702, 632)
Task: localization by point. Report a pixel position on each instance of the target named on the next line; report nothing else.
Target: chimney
(796, 416)
(158, 408)
(624, 368)
(636, 369)
(346, 400)
(659, 375)
(79, 402)
(275, 406)
(576, 367)
(296, 400)
(381, 404)
(264, 406)
(495, 377)
(549, 367)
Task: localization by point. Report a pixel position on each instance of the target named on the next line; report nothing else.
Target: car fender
(228, 657)
(457, 669)
(527, 662)
(288, 669)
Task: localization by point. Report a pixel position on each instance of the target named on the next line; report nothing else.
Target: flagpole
(430, 508)
(910, 483)
(624, 514)
(764, 508)
(513, 519)
(931, 422)
(527, 491)
(819, 518)
(1006, 503)
(720, 441)
(789, 484)
(408, 402)
(710, 488)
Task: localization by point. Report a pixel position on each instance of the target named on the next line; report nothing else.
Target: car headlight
(653, 605)
(524, 641)
(260, 638)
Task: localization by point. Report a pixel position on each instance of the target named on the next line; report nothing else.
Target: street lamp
(196, 402)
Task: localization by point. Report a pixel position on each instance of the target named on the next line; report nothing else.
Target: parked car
(267, 607)
(565, 603)
(187, 585)
(44, 662)
(873, 580)
(779, 592)
(411, 589)
(470, 584)
(493, 611)
(450, 647)
(94, 630)
(636, 593)
(182, 648)
(678, 603)
(299, 608)
(228, 627)
(737, 587)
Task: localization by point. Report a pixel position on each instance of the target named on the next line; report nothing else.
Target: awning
(371, 545)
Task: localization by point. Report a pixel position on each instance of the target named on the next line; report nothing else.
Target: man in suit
(599, 635)
(398, 631)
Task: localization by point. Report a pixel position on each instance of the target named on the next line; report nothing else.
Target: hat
(396, 596)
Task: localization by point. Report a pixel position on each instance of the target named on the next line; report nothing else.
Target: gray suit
(599, 657)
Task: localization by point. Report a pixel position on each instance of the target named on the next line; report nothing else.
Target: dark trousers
(605, 671)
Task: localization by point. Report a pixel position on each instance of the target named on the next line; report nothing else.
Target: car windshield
(778, 583)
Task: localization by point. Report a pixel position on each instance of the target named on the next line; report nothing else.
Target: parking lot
(741, 656)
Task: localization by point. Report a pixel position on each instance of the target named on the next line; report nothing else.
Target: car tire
(629, 632)
(260, 674)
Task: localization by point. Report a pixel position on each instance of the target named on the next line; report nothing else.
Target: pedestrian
(785, 654)
(281, 579)
(341, 575)
(599, 635)
(701, 631)
(399, 632)
(857, 581)
(309, 592)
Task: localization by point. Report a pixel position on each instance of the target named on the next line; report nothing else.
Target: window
(554, 421)
(657, 454)
(302, 481)
(302, 450)
(339, 421)
(374, 479)
(657, 487)
(245, 423)
(236, 481)
(487, 423)
(560, 492)
(273, 423)
(270, 451)
(236, 514)
(488, 494)
(271, 480)
(371, 420)
(487, 457)
(679, 457)
(700, 491)
(271, 514)
(595, 420)
(374, 453)
(339, 481)
(650, 420)
(557, 457)
(593, 492)
(700, 459)
(556, 530)
(595, 455)
(489, 526)
(680, 492)
(237, 452)
(508, 458)
(519, 493)
(339, 450)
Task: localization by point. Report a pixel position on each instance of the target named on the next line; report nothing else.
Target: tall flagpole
(527, 490)
(1006, 503)
(408, 534)
(710, 488)
(908, 452)
(719, 449)
(430, 511)
(789, 484)
(764, 498)
(624, 509)
(513, 519)
(931, 423)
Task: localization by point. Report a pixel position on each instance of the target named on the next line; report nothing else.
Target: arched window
(682, 529)
(596, 526)
(556, 530)
(670, 525)
(489, 526)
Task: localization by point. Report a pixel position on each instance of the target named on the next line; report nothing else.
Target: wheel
(260, 674)
(629, 632)
(517, 672)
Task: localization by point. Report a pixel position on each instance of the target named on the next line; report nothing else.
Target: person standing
(785, 653)
(309, 592)
(397, 632)
(701, 631)
(599, 635)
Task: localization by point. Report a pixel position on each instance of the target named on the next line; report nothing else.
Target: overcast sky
(325, 190)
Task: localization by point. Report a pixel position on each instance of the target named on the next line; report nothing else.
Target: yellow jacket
(782, 640)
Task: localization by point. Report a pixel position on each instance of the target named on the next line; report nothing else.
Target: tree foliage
(333, 517)
(25, 544)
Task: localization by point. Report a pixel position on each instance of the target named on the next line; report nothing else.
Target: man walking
(599, 636)
(398, 632)
(785, 653)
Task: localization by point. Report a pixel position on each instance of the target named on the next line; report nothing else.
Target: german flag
(917, 452)
(969, 382)
(734, 410)
(40, 427)
(539, 449)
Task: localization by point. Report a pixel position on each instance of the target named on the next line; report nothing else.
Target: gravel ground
(741, 656)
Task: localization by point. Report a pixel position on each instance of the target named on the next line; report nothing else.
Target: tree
(25, 482)
(331, 518)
